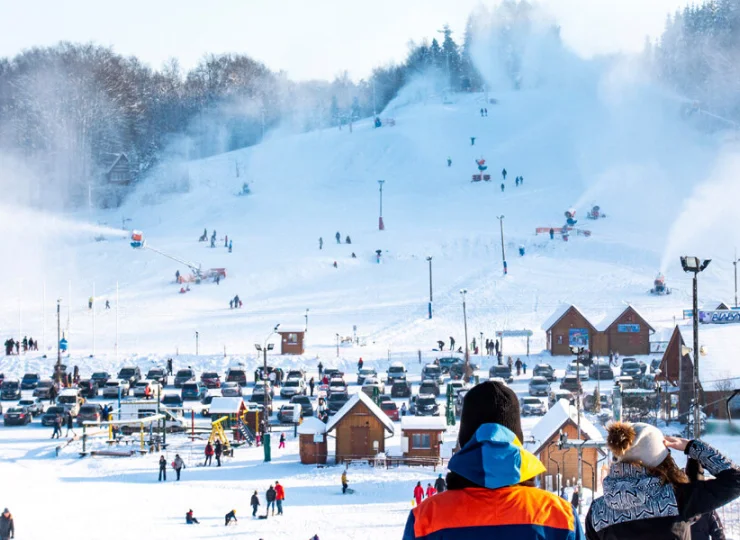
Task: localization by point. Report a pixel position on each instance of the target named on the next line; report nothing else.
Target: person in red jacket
(418, 493)
(430, 491)
(209, 454)
(279, 497)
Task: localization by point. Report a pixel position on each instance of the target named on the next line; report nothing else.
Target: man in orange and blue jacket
(490, 489)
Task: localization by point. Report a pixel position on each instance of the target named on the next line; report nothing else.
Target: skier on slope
(338, 237)
(503, 173)
(502, 187)
(449, 162)
(321, 243)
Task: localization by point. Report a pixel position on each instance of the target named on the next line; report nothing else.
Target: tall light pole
(381, 225)
(695, 265)
(503, 253)
(263, 348)
(337, 345)
(429, 259)
(578, 351)
(58, 367)
(196, 343)
(734, 263)
(464, 292)
(306, 317)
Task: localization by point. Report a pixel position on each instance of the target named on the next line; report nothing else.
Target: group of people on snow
(24, 345)
(235, 302)
(440, 486)
(274, 497)
(228, 244)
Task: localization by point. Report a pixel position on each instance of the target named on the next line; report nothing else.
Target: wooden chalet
(360, 429)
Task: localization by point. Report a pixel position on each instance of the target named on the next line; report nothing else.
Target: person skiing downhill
(338, 237)
(503, 173)
(321, 243)
(502, 187)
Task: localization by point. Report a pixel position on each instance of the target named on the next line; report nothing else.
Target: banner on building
(628, 328)
(578, 337)
(719, 317)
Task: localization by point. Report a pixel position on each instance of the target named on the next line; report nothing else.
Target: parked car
(210, 379)
(193, 391)
(626, 382)
(306, 404)
(258, 394)
(456, 386)
(11, 390)
(401, 389)
(424, 405)
(544, 370)
(30, 381)
(432, 372)
(532, 406)
(391, 409)
(429, 387)
(647, 381)
(141, 386)
(630, 368)
(292, 387)
(296, 374)
(503, 372)
(114, 386)
(184, 376)
(336, 401)
(577, 368)
(173, 401)
(396, 371)
(446, 361)
(157, 374)
(459, 401)
(17, 416)
(71, 400)
(382, 398)
(231, 389)
(237, 375)
(557, 395)
(365, 373)
(337, 384)
(290, 413)
(333, 372)
(100, 378)
(601, 370)
(88, 389)
(43, 389)
(132, 374)
(371, 384)
(34, 405)
(47, 419)
(90, 412)
(457, 370)
(539, 386)
(571, 383)
(655, 365)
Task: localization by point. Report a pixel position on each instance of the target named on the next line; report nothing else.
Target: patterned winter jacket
(493, 504)
(637, 506)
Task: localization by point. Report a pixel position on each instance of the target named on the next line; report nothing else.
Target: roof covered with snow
(559, 415)
(431, 423)
(369, 403)
(719, 344)
(561, 310)
(613, 314)
(225, 405)
(311, 426)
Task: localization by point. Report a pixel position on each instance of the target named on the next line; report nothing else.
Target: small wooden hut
(421, 436)
(360, 429)
(312, 441)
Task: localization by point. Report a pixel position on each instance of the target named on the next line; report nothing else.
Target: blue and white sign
(719, 317)
(688, 313)
(578, 337)
(628, 328)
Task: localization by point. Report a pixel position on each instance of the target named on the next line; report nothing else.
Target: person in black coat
(440, 485)
(7, 527)
(162, 469)
(270, 496)
(575, 499)
(709, 527)
(646, 496)
(218, 451)
(231, 516)
(254, 502)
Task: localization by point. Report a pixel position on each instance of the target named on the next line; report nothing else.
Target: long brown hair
(669, 472)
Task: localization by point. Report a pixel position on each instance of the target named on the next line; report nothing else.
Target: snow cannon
(570, 217)
(659, 286)
(137, 239)
(595, 213)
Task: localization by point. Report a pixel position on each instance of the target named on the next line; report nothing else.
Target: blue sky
(307, 38)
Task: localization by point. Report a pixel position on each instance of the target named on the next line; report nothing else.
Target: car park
(296, 374)
(336, 401)
(132, 374)
(71, 400)
(539, 386)
(557, 395)
(193, 391)
(382, 398)
(365, 373)
(16, 416)
(533, 406)
(140, 389)
(401, 389)
(210, 379)
(503, 371)
(571, 383)
(231, 389)
(237, 375)
(446, 362)
(290, 413)
(292, 387)
(172, 400)
(544, 370)
(391, 409)
(429, 387)
(47, 419)
(90, 412)
(333, 372)
(337, 384)
(432, 372)
(630, 368)
(306, 403)
(184, 376)
(373, 385)
(11, 390)
(577, 368)
(30, 381)
(43, 389)
(88, 388)
(258, 394)
(100, 378)
(424, 405)
(157, 374)
(601, 370)
(396, 371)
(114, 386)
(34, 405)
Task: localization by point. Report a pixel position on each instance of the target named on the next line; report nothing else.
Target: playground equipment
(218, 432)
(138, 242)
(570, 217)
(595, 213)
(659, 286)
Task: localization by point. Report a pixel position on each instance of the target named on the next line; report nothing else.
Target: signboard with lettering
(628, 328)
(688, 313)
(719, 317)
(578, 337)
(514, 333)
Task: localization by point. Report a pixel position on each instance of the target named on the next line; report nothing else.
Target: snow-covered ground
(601, 138)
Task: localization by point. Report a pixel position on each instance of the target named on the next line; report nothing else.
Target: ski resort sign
(719, 317)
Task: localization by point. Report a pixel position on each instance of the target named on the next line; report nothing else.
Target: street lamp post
(196, 343)
(429, 259)
(695, 265)
(337, 345)
(381, 225)
(306, 316)
(503, 253)
(58, 367)
(263, 348)
(464, 292)
(578, 351)
(734, 263)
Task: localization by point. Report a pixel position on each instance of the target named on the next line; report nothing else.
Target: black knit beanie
(489, 402)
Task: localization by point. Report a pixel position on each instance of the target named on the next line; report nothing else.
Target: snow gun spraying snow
(138, 242)
(659, 286)
(570, 217)
(595, 213)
